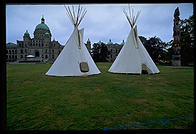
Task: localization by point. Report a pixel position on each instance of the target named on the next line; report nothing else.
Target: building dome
(42, 30)
(122, 43)
(42, 25)
(110, 42)
(26, 33)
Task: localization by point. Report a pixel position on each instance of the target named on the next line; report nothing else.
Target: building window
(21, 56)
(15, 51)
(52, 56)
(21, 51)
(15, 57)
(9, 51)
(46, 50)
(52, 51)
(46, 56)
(6, 51)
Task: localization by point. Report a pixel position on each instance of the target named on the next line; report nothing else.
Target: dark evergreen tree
(100, 52)
(187, 40)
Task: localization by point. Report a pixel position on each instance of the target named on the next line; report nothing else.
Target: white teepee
(133, 57)
(74, 59)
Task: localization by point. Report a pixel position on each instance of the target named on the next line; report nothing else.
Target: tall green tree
(187, 40)
(100, 52)
(156, 49)
(143, 39)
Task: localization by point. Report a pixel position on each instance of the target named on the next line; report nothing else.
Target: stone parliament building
(41, 49)
(37, 49)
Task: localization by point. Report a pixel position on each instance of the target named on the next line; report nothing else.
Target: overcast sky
(101, 22)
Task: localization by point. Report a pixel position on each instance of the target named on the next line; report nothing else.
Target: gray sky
(101, 22)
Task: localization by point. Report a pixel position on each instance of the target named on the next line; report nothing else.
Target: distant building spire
(26, 32)
(88, 41)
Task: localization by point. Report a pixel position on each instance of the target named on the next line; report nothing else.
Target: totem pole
(176, 57)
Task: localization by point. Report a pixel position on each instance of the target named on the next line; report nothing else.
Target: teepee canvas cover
(74, 59)
(133, 57)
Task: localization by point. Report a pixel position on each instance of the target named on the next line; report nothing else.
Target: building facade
(41, 48)
(114, 50)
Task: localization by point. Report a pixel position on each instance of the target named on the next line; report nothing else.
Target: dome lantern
(42, 20)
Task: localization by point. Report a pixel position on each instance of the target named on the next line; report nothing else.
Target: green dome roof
(26, 32)
(42, 26)
(110, 42)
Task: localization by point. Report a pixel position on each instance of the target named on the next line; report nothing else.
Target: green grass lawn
(39, 102)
